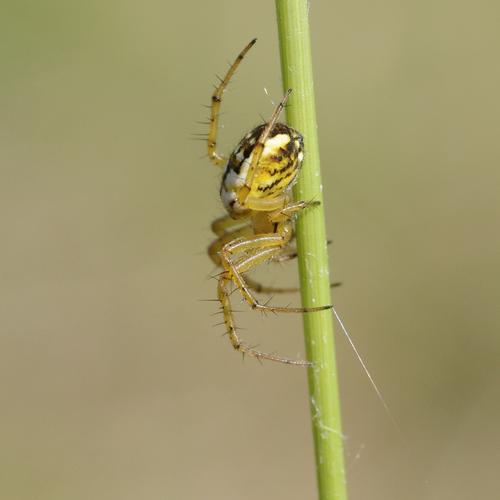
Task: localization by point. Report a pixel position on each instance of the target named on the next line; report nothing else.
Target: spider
(256, 193)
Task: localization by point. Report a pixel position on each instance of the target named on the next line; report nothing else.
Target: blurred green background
(113, 383)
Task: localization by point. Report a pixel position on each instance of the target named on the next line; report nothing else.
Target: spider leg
(226, 223)
(289, 210)
(260, 288)
(227, 229)
(233, 336)
(213, 155)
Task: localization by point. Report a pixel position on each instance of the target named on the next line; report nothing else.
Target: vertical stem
(296, 67)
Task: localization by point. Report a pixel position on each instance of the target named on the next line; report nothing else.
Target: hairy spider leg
(215, 248)
(237, 344)
(226, 223)
(213, 155)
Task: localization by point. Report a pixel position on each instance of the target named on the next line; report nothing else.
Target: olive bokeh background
(113, 383)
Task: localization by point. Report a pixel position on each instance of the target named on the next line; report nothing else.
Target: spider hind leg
(237, 344)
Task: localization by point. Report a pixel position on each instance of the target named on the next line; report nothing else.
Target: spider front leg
(213, 155)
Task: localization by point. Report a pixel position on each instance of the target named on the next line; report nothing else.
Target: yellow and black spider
(256, 192)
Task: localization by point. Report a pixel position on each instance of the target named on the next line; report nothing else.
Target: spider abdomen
(276, 171)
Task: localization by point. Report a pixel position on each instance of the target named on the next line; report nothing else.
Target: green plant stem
(296, 67)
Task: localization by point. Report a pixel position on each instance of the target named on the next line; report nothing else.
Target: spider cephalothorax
(256, 192)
